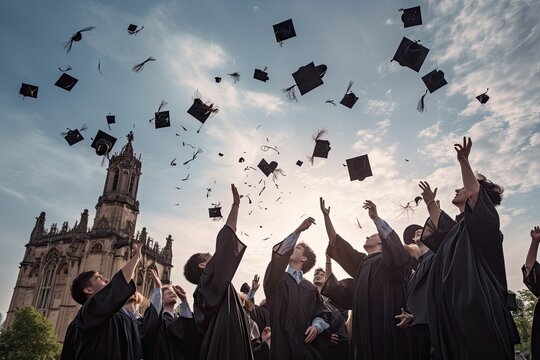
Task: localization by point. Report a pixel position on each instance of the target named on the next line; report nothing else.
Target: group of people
(442, 296)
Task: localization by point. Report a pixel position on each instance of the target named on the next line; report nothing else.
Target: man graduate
(217, 308)
(296, 309)
(101, 330)
(467, 292)
(377, 291)
(531, 274)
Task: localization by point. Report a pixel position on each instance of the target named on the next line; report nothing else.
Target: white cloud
(380, 107)
(431, 131)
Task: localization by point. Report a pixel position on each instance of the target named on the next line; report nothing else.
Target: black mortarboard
(322, 147)
(411, 54)
(349, 99)
(241, 160)
(299, 163)
(411, 16)
(267, 168)
(284, 30)
(111, 119)
(261, 75)
(217, 79)
(162, 119)
(434, 80)
(132, 29)
(201, 111)
(408, 233)
(76, 37)
(245, 288)
(483, 98)
(309, 77)
(29, 90)
(103, 143)
(73, 136)
(215, 212)
(359, 168)
(66, 82)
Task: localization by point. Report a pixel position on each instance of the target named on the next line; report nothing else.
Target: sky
(478, 44)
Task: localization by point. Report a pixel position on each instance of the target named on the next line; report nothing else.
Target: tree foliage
(31, 336)
(523, 317)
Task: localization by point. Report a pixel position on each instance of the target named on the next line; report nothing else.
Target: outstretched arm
(328, 268)
(533, 250)
(233, 214)
(432, 204)
(471, 184)
(129, 268)
(328, 223)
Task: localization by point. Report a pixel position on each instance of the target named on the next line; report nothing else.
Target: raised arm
(156, 300)
(533, 250)
(328, 223)
(472, 187)
(429, 199)
(129, 268)
(233, 214)
(328, 268)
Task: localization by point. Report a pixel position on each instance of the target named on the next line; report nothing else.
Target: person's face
(318, 278)
(372, 241)
(417, 235)
(205, 258)
(461, 197)
(169, 296)
(97, 282)
(298, 254)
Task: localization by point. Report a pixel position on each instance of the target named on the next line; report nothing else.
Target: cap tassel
(316, 137)
(99, 67)
(421, 105)
(277, 172)
(139, 67)
(66, 69)
(235, 76)
(330, 102)
(349, 87)
(280, 42)
(290, 93)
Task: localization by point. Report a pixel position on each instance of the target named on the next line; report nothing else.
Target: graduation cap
(215, 212)
(359, 168)
(217, 79)
(161, 118)
(74, 136)
(284, 30)
(261, 75)
(139, 67)
(322, 147)
(103, 143)
(483, 98)
(409, 233)
(111, 119)
(245, 288)
(202, 111)
(76, 37)
(307, 78)
(66, 82)
(267, 168)
(132, 29)
(299, 163)
(29, 90)
(349, 99)
(434, 80)
(411, 16)
(410, 54)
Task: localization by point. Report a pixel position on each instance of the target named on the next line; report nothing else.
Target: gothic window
(148, 285)
(115, 179)
(131, 183)
(45, 288)
(96, 248)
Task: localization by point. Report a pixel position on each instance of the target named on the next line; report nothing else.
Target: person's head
(244, 289)
(493, 191)
(135, 301)
(319, 277)
(304, 255)
(169, 296)
(373, 244)
(195, 266)
(86, 285)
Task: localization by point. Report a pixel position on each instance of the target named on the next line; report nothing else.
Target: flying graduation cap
(261, 75)
(74, 136)
(103, 143)
(201, 110)
(410, 54)
(215, 212)
(283, 31)
(111, 119)
(307, 78)
(322, 147)
(267, 168)
(134, 29)
(411, 16)
(161, 118)
(349, 99)
(76, 37)
(434, 80)
(359, 168)
(483, 98)
(29, 90)
(66, 82)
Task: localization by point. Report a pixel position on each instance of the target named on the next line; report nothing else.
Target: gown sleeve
(340, 292)
(483, 221)
(276, 269)
(346, 256)
(433, 236)
(531, 280)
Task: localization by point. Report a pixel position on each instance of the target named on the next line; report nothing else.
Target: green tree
(30, 337)
(523, 317)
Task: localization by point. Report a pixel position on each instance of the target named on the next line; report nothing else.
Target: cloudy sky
(478, 44)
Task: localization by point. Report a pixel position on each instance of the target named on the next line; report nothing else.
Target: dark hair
(311, 257)
(320, 269)
(494, 191)
(192, 271)
(79, 283)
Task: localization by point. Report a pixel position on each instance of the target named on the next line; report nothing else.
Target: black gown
(375, 294)
(467, 292)
(292, 308)
(339, 350)
(217, 309)
(101, 330)
(533, 283)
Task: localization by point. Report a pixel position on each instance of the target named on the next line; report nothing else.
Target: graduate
(468, 315)
(531, 272)
(217, 308)
(101, 329)
(297, 313)
(376, 292)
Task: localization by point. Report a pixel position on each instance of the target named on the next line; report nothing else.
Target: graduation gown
(340, 350)
(375, 294)
(101, 330)
(218, 312)
(533, 283)
(467, 292)
(261, 316)
(292, 308)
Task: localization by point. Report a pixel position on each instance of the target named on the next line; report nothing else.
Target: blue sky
(478, 44)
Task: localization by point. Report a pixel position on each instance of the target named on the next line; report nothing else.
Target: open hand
(266, 335)
(255, 283)
(311, 333)
(306, 224)
(325, 211)
(535, 234)
(464, 150)
(155, 276)
(180, 293)
(427, 194)
(236, 197)
(372, 209)
(137, 248)
(405, 318)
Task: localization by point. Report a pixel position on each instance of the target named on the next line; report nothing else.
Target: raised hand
(325, 211)
(137, 248)
(372, 209)
(405, 318)
(236, 197)
(427, 194)
(157, 281)
(306, 224)
(535, 234)
(255, 283)
(464, 150)
(180, 293)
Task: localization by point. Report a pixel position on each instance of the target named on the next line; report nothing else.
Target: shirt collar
(291, 271)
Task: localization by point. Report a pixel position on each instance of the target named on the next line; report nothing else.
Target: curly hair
(494, 191)
(311, 257)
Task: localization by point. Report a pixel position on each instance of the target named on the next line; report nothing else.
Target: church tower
(54, 257)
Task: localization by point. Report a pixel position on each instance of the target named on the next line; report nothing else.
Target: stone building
(54, 257)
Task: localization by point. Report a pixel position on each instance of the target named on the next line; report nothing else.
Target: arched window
(96, 248)
(44, 292)
(131, 183)
(148, 285)
(115, 179)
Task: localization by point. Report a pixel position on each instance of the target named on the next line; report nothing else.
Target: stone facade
(54, 257)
